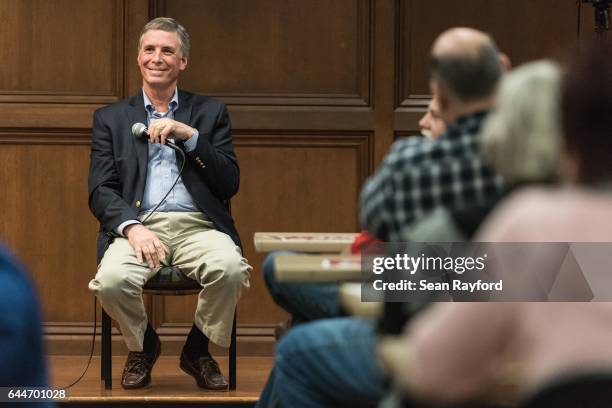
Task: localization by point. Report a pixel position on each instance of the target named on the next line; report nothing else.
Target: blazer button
(138, 203)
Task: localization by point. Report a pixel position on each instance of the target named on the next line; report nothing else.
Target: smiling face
(160, 59)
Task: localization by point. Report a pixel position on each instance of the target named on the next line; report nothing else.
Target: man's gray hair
(171, 25)
(469, 77)
(522, 136)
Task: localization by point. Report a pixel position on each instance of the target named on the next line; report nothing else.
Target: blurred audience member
(311, 301)
(22, 355)
(465, 346)
(417, 177)
(332, 362)
(521, 138)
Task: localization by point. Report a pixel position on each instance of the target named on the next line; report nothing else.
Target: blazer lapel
(183, 114)
(138, 114)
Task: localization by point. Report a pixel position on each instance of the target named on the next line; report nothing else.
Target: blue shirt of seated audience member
(22, 359)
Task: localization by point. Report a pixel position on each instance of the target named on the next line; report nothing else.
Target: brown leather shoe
(206, 372)
(137, 370)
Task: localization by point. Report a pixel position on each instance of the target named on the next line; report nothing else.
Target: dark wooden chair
(169, 281)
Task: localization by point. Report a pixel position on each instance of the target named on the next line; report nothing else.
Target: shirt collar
(172, 106)
(474, 116)
(467, 123)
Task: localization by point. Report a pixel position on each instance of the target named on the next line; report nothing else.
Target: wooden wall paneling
(407, 119)
(289, 182)
(278, 52)
(301, 118)
(59, 51)
(516, 26)
(38, 117)
(46, 222)
(384, 79)
(67, 59)
(523, 29)
(137, 14)
(317, 91)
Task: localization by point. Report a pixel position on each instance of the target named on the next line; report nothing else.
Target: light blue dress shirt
(162, 170)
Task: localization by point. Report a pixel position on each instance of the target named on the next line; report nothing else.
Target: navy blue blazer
(118, 167)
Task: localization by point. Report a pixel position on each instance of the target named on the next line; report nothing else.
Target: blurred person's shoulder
(521, 216)
(554, 214)
(418, 150)
(543, 202)
(16, 289)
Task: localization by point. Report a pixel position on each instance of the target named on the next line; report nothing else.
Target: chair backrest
(593, 390)
(170, 280)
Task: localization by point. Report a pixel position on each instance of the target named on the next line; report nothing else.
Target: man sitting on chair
(191, 229)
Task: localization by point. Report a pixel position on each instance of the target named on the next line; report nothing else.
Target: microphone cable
(93, 344)
(183, 158)
(95, 309)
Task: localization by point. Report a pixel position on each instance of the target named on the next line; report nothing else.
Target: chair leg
(107, 352)
(232, 356)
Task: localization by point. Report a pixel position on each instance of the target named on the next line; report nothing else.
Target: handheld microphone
(140, 130)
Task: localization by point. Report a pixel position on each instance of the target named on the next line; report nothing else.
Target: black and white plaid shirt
(419, 175)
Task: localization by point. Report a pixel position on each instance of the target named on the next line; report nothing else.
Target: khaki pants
(200, 251)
